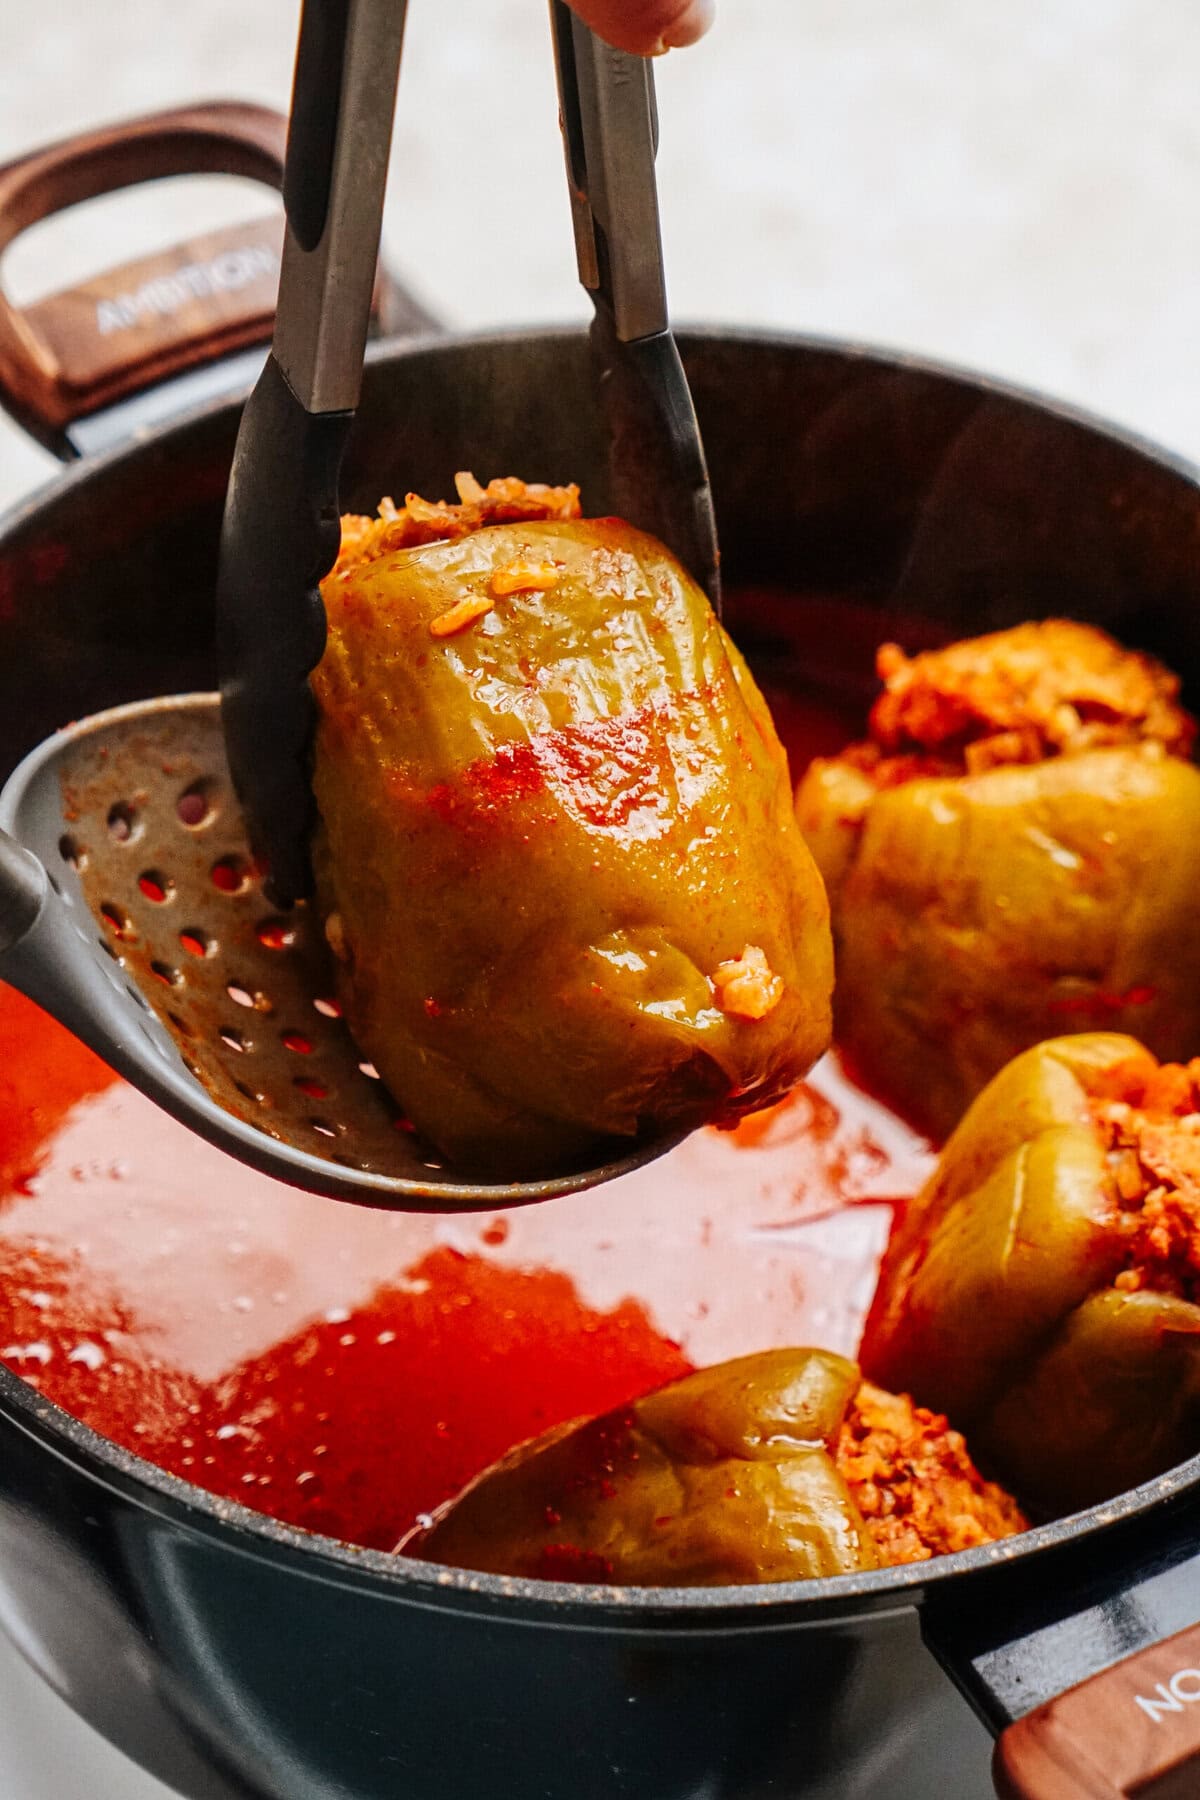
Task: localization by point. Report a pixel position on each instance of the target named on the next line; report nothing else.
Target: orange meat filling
(505, 501)
(1151, 1132)
(1045, 689)
(918, 1491)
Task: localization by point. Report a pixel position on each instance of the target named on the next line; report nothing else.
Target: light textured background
(1015, 187)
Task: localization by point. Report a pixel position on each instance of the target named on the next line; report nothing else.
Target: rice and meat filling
(911, 1474)
(1151, 1135)
(1043, 689)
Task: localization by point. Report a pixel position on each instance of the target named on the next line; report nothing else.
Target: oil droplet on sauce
(347, 1370)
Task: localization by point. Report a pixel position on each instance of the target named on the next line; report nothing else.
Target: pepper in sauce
(1044, 1286)
(346, 1370)
(779, 1466)
(1013, 852)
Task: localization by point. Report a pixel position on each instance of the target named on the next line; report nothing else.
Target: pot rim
(765, 1606)
(404, 1579)
(689, 332)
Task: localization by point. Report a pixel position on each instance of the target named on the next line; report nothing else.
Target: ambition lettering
(166, 294)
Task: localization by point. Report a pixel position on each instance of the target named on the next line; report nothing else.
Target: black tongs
(658, 477)
(281, 528)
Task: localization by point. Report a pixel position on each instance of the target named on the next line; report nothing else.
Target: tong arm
(347, 69)
(610, 135)
(281, 528)
(657, 474)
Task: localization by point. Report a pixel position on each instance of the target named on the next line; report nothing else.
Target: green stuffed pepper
(557, 860)
(1013, 853)
(780, 1466)
(1044, 1288)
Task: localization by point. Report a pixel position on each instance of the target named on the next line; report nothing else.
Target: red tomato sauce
(346, 1370)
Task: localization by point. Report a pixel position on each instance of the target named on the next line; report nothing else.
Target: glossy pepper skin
(1003, 1295)
(979, 909)
(550, 836)
(723, 1477)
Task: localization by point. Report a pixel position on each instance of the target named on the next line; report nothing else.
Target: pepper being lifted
(557, 858)
(1044, 1287)
(775, 1467)
(1014, 852)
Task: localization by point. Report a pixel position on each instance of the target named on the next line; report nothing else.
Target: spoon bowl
(132, 909)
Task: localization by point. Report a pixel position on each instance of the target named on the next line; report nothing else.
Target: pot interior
(859, 499)
(933, 500)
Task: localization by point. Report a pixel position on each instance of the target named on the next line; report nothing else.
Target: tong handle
(610, 136)
(343, 104)
(657, 473)
(281, 529)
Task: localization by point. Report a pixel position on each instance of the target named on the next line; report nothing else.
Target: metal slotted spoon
(132, 910)
(132, 903)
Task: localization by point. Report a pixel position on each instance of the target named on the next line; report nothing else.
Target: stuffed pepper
(557, 862)
(774, 1467)
(1044, 1288)
(1014, 852)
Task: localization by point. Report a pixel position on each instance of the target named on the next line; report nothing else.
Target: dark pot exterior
(228, 1673)
(234, 1658)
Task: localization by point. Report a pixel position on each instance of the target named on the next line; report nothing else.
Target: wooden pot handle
(1132, 1730)
(77, 351)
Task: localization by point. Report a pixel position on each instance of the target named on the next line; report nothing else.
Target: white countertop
(1015, 187)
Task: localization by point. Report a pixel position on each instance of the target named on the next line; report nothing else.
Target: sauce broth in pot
(345, 1370)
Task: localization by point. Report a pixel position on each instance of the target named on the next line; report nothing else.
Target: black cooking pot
(236, 1657)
